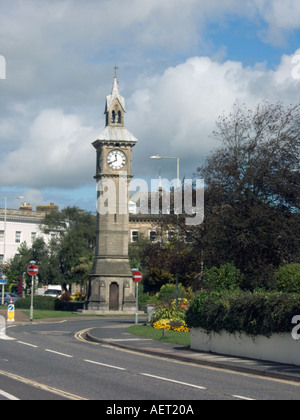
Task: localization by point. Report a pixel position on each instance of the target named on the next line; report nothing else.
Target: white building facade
(17, 227)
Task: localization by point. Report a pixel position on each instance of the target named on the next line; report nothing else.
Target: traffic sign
(32, 270)
(137, 276)
(11, 313)
(3, 281)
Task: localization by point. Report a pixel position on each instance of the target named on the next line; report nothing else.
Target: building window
(113, 117)
(134, 235)
(171, 235)
(1, 259)
(18, 237)
(153, 235)
(33, 237)
(1, 235)
(188, 237)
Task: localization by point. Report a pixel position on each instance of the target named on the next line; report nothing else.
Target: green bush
(172, 312)
(287, 278)
(39, 302)
(254, 314)
(227, 277)
(71, 306)
(167, 293)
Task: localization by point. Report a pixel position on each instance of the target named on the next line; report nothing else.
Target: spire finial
(115, 69)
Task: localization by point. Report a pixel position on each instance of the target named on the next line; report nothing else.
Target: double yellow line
(47, 388)
(80, 336)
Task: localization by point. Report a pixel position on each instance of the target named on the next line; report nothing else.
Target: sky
(181, 64)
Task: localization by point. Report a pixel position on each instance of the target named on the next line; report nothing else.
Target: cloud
(175, 76)
(281, 17)
(175, 113)
(57, 153)
(172, 113)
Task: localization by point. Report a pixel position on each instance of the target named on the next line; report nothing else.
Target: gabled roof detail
(115, 94)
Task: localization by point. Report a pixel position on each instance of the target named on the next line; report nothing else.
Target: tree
(75, 242)
(252, 200)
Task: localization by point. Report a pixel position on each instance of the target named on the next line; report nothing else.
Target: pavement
(116, 335)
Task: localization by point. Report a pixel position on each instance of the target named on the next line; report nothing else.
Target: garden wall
(280, 348)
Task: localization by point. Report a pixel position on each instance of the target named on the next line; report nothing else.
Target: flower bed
(171, 324)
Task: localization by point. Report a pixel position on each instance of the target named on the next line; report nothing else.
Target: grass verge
(44, 314)
(173, 337)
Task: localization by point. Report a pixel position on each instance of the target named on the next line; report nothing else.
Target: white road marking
(8, 396)
(27, 344)
(173, 381)
(243, 398)
(105, 365)
(57, 352)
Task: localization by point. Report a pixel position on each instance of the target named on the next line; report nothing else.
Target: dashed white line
(8, 396)
(243, 398)
(57, 352)
(27, 344)
(173, 381)
(105, 365)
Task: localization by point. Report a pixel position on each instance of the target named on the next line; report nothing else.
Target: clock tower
(110, 285)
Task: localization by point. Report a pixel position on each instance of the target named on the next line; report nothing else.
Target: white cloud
(176, 113)
(57, 153)
(173, 113)
(60, 56)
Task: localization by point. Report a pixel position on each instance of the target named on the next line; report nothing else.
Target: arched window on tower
(119, 117)
(113, 117)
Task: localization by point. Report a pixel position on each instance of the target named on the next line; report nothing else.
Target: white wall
(281, 348)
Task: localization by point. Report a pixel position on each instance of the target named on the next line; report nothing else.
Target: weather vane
(116, 68)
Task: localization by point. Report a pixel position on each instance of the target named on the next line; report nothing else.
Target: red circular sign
(137, 276)
(32, 270)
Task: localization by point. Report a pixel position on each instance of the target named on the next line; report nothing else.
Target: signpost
(137, 277)
(32, 270)
(3, 282)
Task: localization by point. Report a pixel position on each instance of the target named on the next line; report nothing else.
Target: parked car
(8, 297)
(53, 293)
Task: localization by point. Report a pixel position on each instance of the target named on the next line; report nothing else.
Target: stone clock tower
(110, 285)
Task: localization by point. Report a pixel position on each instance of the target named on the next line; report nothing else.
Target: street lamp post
(158, 157)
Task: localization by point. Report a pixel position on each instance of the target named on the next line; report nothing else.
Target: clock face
(116, 159)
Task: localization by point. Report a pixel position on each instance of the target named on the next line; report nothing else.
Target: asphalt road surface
(52, 361)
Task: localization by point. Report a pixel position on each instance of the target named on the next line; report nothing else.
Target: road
(50, 362)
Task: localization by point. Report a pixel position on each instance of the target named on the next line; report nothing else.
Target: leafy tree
(76, 240)
(252, 198)
(288, 278)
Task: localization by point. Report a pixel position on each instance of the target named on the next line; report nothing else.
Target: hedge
(39, 302)
(243, 312)
(48, 303)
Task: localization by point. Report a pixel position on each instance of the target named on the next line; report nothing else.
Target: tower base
(111, 292)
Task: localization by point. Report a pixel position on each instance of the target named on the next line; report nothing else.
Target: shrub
(287, 278)
(71, 306)
(227, 277)
(254, 314)
(168, 312)
(167, 293)
(39, 302)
